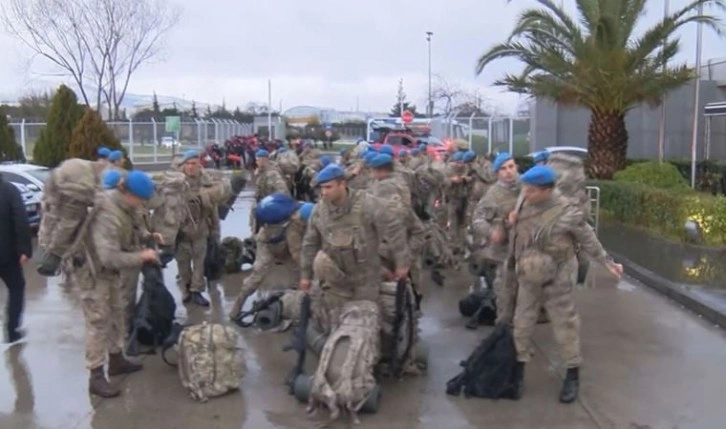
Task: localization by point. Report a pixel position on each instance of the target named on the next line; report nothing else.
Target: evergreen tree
(51, 148)
(396, 111)
(155, 106)
(194, 113)
(9, 148)
(90, 134)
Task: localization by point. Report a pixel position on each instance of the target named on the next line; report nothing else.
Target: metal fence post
(199, 131)
(489, 135)
(216, 130)
(22, 137)
(471, 131)
(156, 140)
(511, 136)
(131, 140)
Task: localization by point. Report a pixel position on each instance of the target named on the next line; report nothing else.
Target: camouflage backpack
(288, 162)
(344, 378)
(211, 360)
(169, 204)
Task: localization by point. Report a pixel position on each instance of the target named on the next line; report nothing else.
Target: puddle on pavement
(677, 262)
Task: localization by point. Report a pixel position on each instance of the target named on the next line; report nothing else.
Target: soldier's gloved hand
(497, 236)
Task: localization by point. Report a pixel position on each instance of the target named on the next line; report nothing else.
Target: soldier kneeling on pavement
(280, 238)
(112, 247)
(544, 237)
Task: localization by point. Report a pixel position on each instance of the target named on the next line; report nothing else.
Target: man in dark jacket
(15, 251)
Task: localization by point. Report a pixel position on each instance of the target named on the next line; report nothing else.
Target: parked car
(30, 175)
(32, 204)
(168, 142)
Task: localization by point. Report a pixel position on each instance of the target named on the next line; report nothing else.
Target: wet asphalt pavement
(649, 364)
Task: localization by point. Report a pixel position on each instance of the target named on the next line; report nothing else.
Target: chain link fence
(149, 141)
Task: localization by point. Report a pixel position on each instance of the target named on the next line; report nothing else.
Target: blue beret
(330, 172)
(282, 150)
(189, 155)
(387, 149)
(500, 160)
(469, 156)
(381, 160)
(111, 179)
(275, 208)
(261, 153)
(325, 160)
(372, 149)
(541, 156)
(103, 152)
(457, 156)
(539, 175)
(306, 209)
(368, 157)
(415, 151)
(402, 153)
(115, 155)
(140, 184)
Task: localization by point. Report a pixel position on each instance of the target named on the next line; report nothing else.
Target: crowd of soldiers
(376, 212)
(375, 216)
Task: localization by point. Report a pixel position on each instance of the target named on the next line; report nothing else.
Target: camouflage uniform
(275, 243)
(111, 251)
(481, 178)
(571, 180)
(269, 181)
(544, 240)
(341, 247)
(457, 196)
(492, 212)
(362, 179)
(201, 200)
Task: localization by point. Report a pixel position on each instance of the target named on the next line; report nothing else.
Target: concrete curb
(672, 290)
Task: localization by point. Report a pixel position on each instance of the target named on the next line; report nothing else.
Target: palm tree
(597, 62)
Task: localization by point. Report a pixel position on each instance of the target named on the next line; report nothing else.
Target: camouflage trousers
(129, 289)
(504, 291)
(326, 307)
(457, 226)
(557, 298)
(264, 266)
(190, 256)
(102, 303)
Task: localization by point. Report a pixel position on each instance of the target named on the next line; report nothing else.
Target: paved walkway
(649, 364)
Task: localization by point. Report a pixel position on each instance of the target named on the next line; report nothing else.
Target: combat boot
(98, 385)
(518, 381)
(236, 308)
(117, 365)
(570, 386)
(199, 299)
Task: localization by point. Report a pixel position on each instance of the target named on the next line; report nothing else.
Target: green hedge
(664, 211)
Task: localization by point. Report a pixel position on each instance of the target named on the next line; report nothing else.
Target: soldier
(269, 181)
(543, 253)
(490, 227)
(416, 159)
(280, 241)
(541, 157)
(103, 152)
(341, 245)
(457, 197)
(357, 175)
(112, 246)
(116, 159)
(195, 229)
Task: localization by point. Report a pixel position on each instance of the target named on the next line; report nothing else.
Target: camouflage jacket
(457, 190)
(269, 181)
(310, 155)
(115, 236)
(279, 242)
(203, 195)
(393, 190)
(358, 175)
(554, 228)
(571, 180)
(491, 212)
(350, 235)
(481, 177)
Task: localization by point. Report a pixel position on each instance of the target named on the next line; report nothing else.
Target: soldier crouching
(544, 236)
(111, 247)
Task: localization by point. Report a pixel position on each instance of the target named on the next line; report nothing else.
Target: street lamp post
(696, 99)
(431, 101)
(661, 125)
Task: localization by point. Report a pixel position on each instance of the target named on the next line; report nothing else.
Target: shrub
(664, 211)
(9, 149)
(52, 145)
(659, 175)
(90, 134)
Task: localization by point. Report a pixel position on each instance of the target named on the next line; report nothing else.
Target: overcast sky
(326, 53)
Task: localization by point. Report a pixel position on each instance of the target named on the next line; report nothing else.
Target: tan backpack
(211, 360)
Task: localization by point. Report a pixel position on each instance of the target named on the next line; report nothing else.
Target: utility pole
(431, 101)
(269, 109)
(696, 98)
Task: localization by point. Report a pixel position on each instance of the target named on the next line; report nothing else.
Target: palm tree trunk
(607, 143)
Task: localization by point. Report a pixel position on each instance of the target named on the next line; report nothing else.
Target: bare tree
(446, 94)
(98, 43)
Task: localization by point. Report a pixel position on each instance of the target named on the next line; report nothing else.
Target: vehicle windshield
(41, 174)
